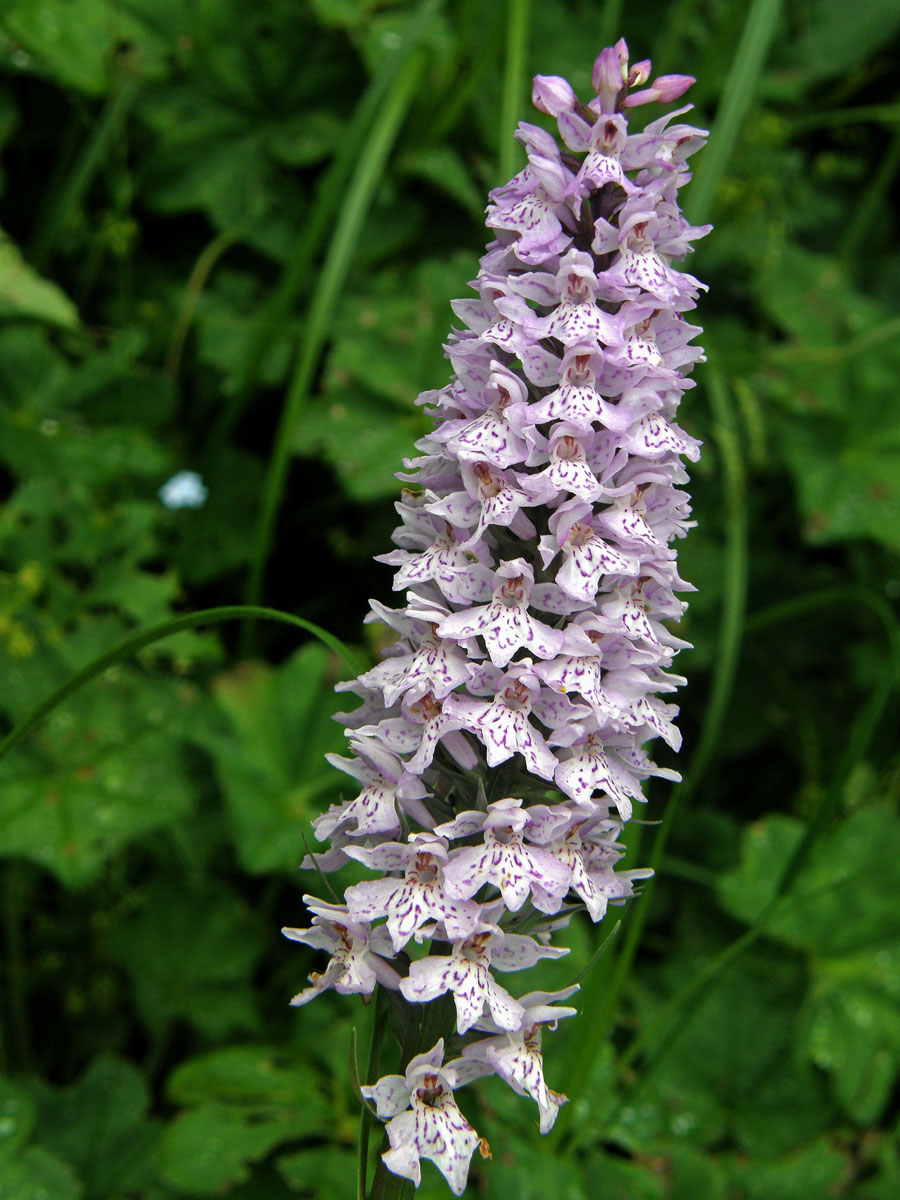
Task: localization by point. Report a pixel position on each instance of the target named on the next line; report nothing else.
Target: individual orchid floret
(586, 770)
(502, 724)
(466, 974)
(505, 624)
(430, 665)
(610, 75)
(386, 783)
(515, 1055)
(505, 860)
(424, 1121)
(534, 204)
(490, 498)
(553, 95)
(417, 898)
(586, 555)
(357, 952)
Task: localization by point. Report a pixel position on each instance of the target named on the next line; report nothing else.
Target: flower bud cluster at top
(500, 742)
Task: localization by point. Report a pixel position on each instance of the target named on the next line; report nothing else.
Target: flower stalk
(499, 746)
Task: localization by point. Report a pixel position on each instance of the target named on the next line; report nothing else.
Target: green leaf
(364, 439)
(190, 954)
(815, 1170)
(735, 1073)
(16, 1117)
(839, 36)
(23, 293)
(250, 1099)
(841, 911)
(854, 1032)
(97, 775)
(100, 1126)
(75, 40)
(270, 756)
(35, 1174)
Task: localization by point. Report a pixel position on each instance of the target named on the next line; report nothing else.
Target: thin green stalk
(87, 166)
(428, 1022)
(518, 20)
(145, 637)
(316, 225)
(200, 273)
(840, 595)
(737, 96)
(379, 1021)
(873, 199)
(332, 278)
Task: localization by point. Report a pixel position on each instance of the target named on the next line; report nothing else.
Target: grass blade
(518, 20)
(734, 105)
(332, 278)
(145, 637)
(321, 218)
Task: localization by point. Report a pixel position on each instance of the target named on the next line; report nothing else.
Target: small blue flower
(184, 490)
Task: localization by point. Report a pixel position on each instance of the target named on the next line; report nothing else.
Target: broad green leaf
(250, 1099)
(324, 1172)
(364, 440)
(16, 1118)
(76, 40)
(845, 458)
(842, 902)
(189, 953)
(251, 1076)
(35, 1174)
(389, 335)
(23, 293)
(841, 911)
(103, 770)
(815, 1170)
(854, 1032)
(270, 755)
(735, 1073)
(99, 1126)
(444, 169)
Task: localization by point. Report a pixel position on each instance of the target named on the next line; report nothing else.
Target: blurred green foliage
(198, 220)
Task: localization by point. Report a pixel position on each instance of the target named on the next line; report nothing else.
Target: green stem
(866, 211)
(379, 1021)
(137, 641)
(75, 187)
(315, 226)
(428, 1022)
(200, 273)
(332, 278)
(517, 24)
(737, 96)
